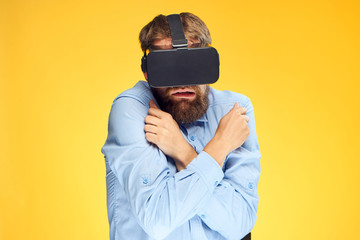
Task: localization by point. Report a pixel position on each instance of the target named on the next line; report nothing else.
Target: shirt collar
(203, 118)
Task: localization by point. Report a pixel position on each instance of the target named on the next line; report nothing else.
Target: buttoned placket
(192, 134)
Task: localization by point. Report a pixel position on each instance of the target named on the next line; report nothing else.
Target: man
(181, 162)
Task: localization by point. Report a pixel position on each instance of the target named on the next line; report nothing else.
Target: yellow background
(63, 62)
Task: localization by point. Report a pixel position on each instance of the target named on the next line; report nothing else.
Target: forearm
(161, 201)
(184, 156)
(231, 133)
(217, 150)
(231, 211)
(228, 213)
(162, 130)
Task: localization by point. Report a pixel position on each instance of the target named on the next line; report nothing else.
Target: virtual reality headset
(180, 66)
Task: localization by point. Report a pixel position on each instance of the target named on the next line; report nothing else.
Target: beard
(183, 111)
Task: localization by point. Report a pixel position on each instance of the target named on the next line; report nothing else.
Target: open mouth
(183, 93)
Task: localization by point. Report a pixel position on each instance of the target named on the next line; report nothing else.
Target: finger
(236, 105)
(152, 104)
(152, 120)
(242, 110)
(150, 128)
(151, 137)
(246, 118)
(156, 112)
(236, 108)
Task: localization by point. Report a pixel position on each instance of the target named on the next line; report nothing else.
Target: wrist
(217, 149)
(185, 155)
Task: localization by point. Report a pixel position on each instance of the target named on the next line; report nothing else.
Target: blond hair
(194, 28)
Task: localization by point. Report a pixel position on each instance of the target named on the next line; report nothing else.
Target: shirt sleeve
(231, 210)
(160, 200)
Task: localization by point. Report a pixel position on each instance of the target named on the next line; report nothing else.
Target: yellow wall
(63, 62)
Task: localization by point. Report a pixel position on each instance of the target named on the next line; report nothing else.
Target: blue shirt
(148, 199)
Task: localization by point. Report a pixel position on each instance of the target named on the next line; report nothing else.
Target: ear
(143, 66)
(145, 75)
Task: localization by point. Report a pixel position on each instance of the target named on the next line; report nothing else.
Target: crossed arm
(233, 130)
(165, 201)
(162, 130)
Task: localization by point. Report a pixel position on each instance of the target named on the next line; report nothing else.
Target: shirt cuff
(208, 169)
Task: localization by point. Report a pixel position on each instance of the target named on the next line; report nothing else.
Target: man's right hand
(162, 130)
(231, 133)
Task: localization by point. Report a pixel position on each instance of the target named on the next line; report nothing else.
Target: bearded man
(181, 162)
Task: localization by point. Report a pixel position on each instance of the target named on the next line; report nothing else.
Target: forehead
(163, 41)
(166, 43)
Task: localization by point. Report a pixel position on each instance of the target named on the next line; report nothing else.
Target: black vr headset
(180, 66)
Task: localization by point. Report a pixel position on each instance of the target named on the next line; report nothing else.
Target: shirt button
(250, 185)
(203, 216)
(145, 181)
(216, 183)
(192, 138)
